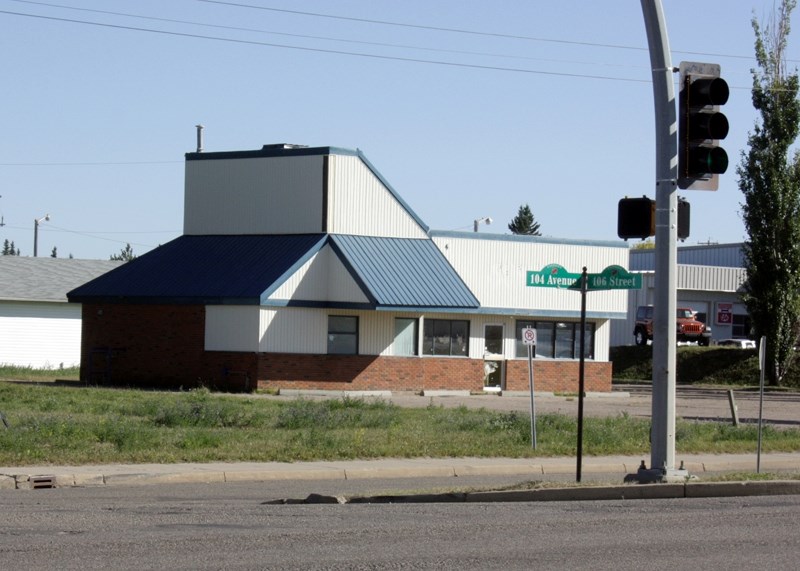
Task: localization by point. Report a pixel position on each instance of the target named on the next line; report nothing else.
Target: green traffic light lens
(708, 160)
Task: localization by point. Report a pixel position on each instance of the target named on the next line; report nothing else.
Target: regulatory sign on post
(529, 336)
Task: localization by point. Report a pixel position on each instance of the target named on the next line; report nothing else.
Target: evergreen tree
(523, 222)
(125, 254)
(770, 182)
(9, 249)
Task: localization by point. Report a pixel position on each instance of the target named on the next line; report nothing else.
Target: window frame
(342, 333)
(416, 349)
(429, 336)
(548, 338)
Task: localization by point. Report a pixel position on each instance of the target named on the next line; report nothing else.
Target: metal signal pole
(662, 447)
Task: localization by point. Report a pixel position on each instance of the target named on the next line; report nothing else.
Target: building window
(406, 336)
(740, 328)
(556, 339)
(342, 335)
(446, 337)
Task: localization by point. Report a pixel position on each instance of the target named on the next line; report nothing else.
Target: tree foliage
(9, 249)
(523, 222)
(769, 178)
(125, 254)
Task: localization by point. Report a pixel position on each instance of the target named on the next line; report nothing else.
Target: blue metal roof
(204, 269)
(392, 272)
(403, 272)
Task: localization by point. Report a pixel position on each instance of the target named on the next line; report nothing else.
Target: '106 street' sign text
(613, 277)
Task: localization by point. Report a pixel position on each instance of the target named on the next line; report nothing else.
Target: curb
(597, 493)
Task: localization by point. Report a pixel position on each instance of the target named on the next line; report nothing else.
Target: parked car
(740, 343)
(689, 328)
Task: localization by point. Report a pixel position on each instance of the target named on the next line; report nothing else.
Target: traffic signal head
(636, 218)
(701, 126)
(683, 219)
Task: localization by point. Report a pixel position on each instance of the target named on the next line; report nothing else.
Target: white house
(38, 328)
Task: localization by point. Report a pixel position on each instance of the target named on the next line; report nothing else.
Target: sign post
(556, 276)
(762, 356)
(529, 339)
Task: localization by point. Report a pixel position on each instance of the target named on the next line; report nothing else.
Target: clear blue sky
(469, 109)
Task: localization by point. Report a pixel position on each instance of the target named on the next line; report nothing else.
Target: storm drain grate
(42, 482)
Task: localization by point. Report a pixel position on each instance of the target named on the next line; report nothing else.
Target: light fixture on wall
(486, 220)
(36, 223)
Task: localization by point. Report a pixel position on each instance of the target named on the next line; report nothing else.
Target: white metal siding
(322, 278)
(267, 195)
(293, 330)
(495, 270)
(359, 203)
(305, 330)
(40, 335)
(232, 328)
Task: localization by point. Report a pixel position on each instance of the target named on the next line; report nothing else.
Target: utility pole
(662, 446)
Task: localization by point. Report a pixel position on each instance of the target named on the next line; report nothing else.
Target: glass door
(493, 358)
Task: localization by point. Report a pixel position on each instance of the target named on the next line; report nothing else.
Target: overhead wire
(328, 51)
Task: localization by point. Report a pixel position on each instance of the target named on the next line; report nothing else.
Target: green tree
(9, 249)
(644, 245)
(125, 254)
(523, 222)
(769, 179)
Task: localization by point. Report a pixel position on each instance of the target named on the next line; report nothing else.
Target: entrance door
(493, 358)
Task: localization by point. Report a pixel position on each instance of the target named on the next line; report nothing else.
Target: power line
(326, 38)
(328, 51)
(90, 164)
(456, 30)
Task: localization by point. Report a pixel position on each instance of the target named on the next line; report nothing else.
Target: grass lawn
(55, 424)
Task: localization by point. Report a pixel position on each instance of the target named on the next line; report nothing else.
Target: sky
(469, 109)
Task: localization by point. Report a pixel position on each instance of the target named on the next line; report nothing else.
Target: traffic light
(683, 218)
(636, 218)
(701, 126)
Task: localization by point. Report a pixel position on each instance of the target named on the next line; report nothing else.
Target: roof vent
(284, 146)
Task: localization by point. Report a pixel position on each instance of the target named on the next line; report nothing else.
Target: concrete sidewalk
(540, 469)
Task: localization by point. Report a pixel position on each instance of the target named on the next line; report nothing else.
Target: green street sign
(614, 277)
(553, 275)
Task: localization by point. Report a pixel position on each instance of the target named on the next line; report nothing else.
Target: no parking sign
(529, 336)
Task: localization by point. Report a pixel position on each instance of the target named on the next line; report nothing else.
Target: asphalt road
(230, 527)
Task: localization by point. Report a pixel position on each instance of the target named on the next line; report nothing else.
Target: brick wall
(157, 345)
(364, 372)
(162, 345)
(368, 372)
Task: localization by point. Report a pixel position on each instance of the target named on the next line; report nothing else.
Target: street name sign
(612, 277)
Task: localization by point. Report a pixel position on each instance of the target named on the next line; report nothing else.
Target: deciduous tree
(769, 178)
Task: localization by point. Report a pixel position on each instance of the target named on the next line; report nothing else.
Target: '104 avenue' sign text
(613, 277)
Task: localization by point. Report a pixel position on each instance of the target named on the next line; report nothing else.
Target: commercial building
(302, 267)
(709, 281)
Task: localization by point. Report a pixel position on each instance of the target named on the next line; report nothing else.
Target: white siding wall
(359, 203)
(304, 330)
(232, 328)
(267, 195)
(495, 270)
(40, 335)
(322, 278)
